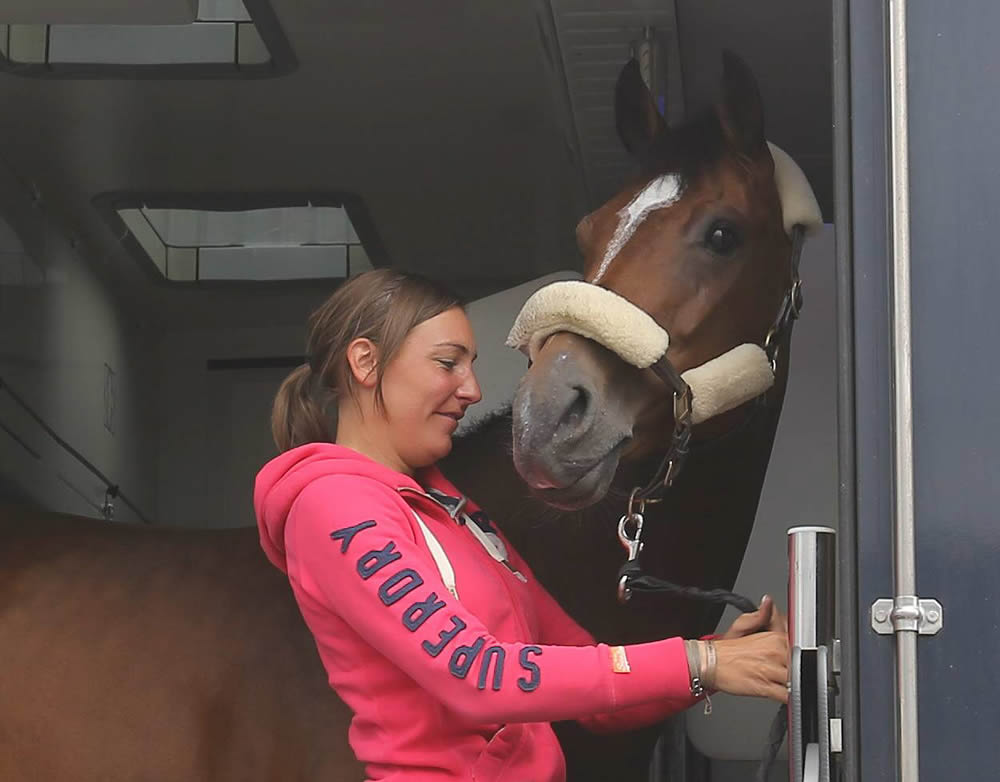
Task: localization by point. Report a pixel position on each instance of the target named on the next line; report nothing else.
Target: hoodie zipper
(474, 529)
(487, 545)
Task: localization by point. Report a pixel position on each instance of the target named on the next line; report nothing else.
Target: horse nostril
(577, 409)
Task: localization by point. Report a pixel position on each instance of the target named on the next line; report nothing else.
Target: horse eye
(722, 238)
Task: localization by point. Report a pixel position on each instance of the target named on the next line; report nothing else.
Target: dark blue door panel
(954, 107)
(955, 200)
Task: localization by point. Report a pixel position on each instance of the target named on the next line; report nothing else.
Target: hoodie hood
(283, 478)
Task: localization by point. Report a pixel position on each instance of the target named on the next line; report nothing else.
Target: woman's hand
(755, 664)
(767, 617)
(752, 655)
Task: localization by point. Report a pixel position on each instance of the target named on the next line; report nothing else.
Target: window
(232, 239)
(239, 38)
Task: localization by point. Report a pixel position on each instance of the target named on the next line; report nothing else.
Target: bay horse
(162, 654)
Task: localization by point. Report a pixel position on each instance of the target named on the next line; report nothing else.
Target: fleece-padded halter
(611, 320)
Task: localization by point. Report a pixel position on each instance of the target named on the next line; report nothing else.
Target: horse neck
(696, 536)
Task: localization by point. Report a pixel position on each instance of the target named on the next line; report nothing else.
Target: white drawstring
(440, 558)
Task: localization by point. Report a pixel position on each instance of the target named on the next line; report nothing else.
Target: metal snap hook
(633, 545)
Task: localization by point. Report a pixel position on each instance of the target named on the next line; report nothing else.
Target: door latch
(907, 613)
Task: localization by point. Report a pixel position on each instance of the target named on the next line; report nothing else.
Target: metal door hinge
(907, 614)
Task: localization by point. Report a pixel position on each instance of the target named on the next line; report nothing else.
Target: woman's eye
(722, 238)
(447, 363)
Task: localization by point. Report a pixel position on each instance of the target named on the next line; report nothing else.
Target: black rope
(637, 581)
(640, 582)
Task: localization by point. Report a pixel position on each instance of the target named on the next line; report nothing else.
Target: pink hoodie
(443, 687)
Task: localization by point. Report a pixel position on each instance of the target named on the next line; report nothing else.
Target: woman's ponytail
(300, 413)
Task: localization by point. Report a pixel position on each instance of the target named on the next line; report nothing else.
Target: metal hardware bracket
(907, 614)
(836, 734)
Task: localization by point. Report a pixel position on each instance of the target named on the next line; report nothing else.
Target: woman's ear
(362, 358)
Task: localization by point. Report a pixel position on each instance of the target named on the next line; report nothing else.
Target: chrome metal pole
(903, 536)
(812, 613)
(812, 563)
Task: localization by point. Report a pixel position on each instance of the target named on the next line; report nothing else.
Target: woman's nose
(470, 390)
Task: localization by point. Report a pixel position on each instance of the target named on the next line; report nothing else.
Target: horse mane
(688, 149)
(694, 147)
(502, 415)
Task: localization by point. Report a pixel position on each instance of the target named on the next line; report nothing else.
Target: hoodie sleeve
(350, 546)
(560, 628)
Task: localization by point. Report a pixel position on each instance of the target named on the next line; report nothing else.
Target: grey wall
(60, 327)
(215, 426)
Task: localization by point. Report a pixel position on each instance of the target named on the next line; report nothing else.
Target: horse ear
(636, 117)
(742, 109)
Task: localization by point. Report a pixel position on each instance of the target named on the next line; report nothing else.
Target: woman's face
(428, 386)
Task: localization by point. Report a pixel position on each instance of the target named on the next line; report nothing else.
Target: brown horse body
(137, 653)
(163, 654)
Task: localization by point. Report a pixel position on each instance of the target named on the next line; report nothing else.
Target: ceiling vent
(591, 44)
(226, 239)
(214, 39)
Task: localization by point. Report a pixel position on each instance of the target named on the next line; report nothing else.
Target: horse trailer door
(951, 67)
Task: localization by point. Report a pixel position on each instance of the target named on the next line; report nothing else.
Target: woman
(431, 628)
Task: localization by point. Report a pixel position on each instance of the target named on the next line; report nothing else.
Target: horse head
(701, 243)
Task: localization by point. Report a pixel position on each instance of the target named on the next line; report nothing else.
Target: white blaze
(658, 194)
